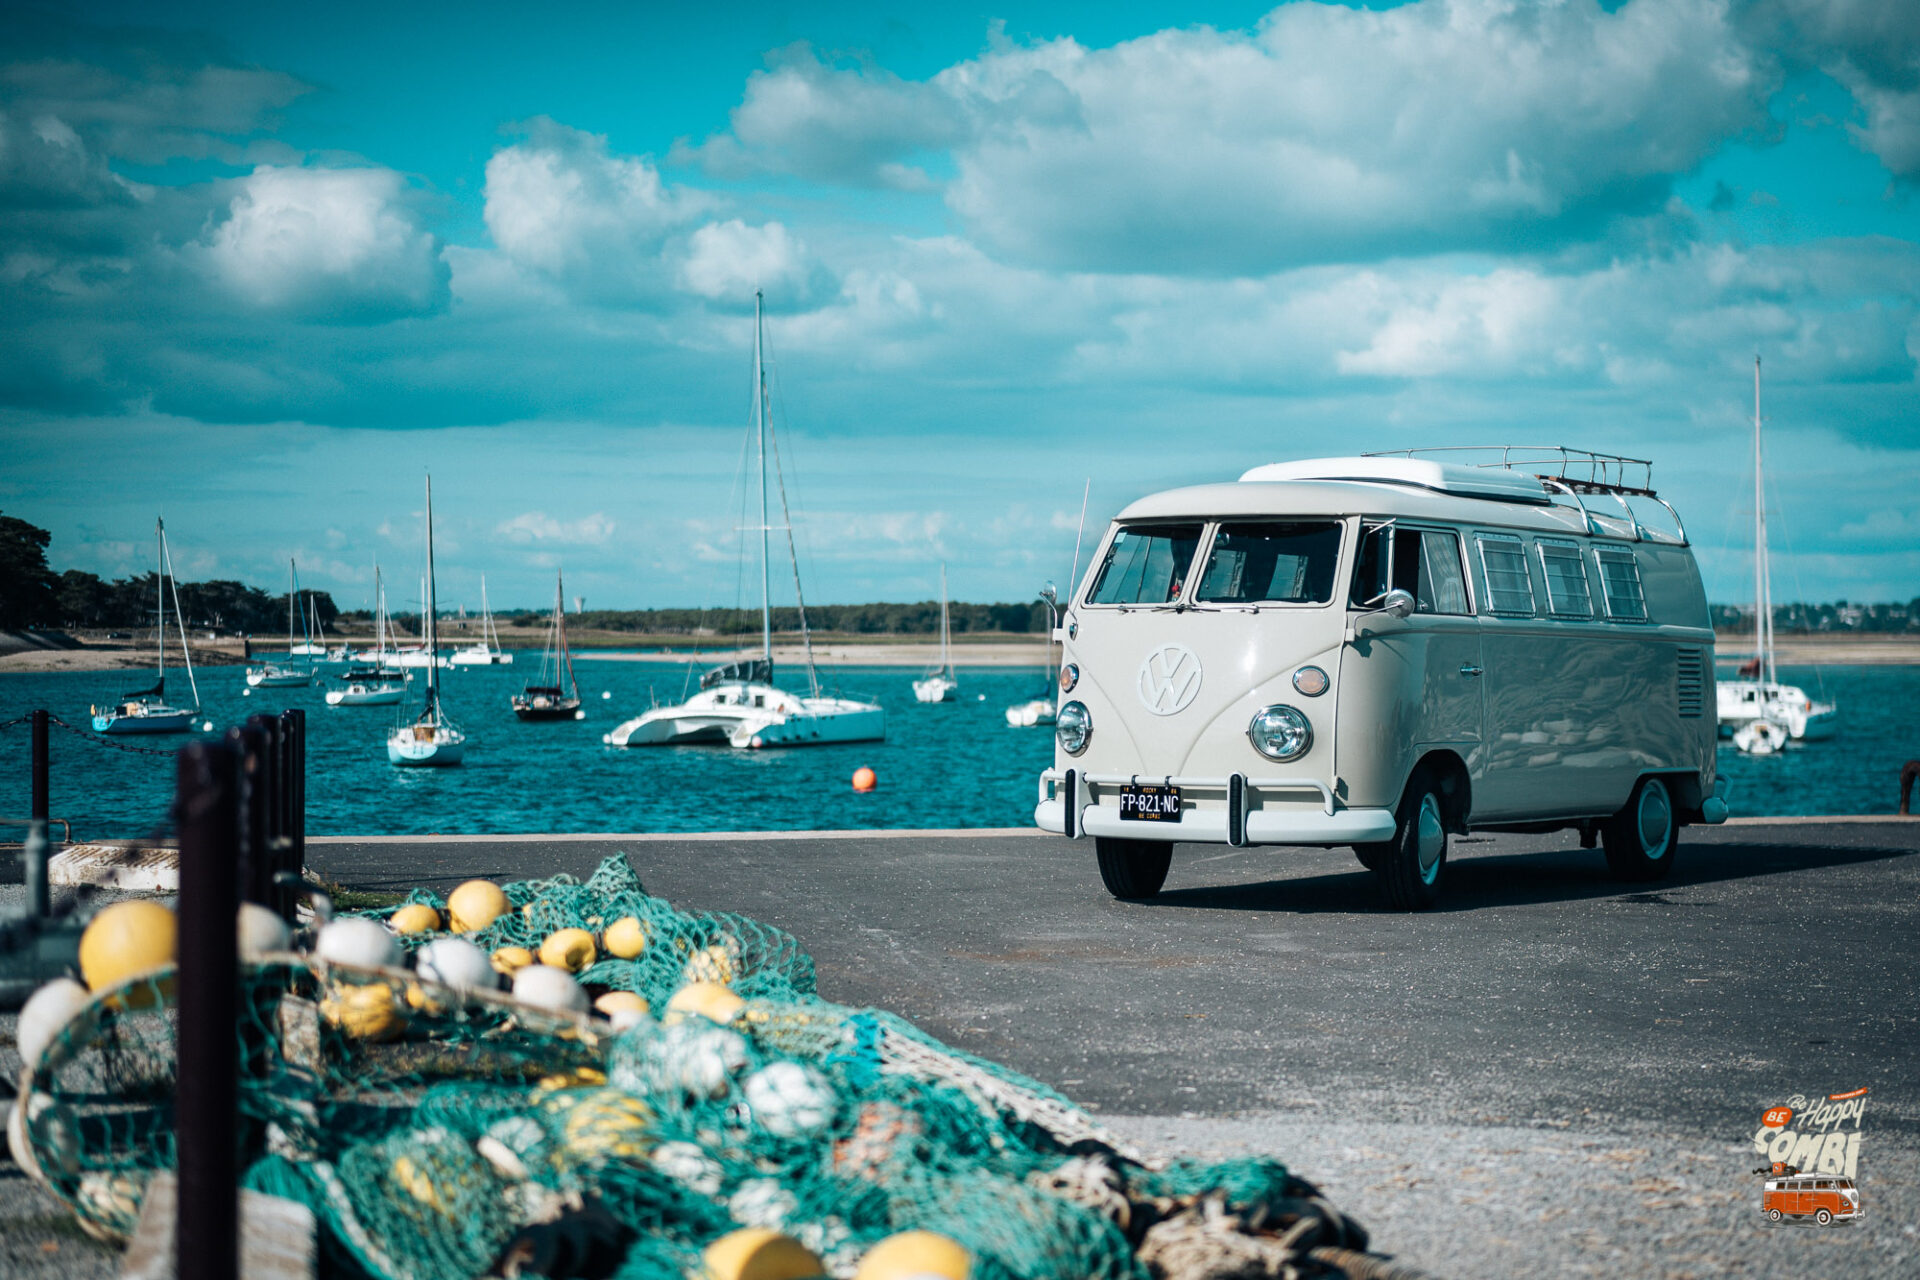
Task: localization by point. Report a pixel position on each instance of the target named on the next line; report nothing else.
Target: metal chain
(17, 720)
(100, 740)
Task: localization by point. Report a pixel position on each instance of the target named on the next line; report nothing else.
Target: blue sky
(260, 268)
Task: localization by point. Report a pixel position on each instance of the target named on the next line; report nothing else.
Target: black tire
(1133, 869)
(1824, 1218)
(1774, 1215)
(1372, 855)
(1641, 838)
(1414, 862)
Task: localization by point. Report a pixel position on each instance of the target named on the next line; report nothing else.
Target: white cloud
(1328, 134)
(538, 526)
(729, 260)
(843, 125)
(563, 204)
(1870, 46)
(329, 243)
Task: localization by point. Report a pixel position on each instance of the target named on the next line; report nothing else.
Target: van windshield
(1147, 564)
(1286, 562)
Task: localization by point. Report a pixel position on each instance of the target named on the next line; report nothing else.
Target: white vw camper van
(1380, 651)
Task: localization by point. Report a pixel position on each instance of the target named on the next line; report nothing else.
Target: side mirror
(1398, 602)
(1051, 596)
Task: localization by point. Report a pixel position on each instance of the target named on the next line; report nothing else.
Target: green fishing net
(438, 1134)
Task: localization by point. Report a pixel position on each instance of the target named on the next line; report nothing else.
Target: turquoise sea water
(948, 765)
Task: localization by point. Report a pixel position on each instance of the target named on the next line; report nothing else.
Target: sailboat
(738, 703)
(1043, 709)
(1756, 696)
(284, 675)
(559, 700)
(416, 655)
(380, 684)
(430, 738)
(938, 685)
(486, 652)
(146, 710)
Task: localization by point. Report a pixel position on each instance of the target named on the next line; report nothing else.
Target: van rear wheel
(1639, 840)
(1412, 864)
(1774, 1215)
(1133, 868)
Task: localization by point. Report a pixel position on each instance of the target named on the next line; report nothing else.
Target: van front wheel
(1412, 864)
(1639, 840)
(1133, 868)
(1823, 1217)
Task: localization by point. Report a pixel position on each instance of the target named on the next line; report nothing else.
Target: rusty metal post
(206, 1090)
(40, 777)
(252, 744)
(293, 825)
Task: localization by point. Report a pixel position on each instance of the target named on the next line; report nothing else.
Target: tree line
(33, 594)
(920, 618)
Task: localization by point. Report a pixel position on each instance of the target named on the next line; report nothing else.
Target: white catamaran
(938, 685)
(285, 675)
(486, 651)
(1755, 708)
(738, 703)
(429, 738)
(146, 710)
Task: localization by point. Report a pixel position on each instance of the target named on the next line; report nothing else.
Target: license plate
(1149, 804)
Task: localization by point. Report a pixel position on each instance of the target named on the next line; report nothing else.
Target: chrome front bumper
(1070, 805)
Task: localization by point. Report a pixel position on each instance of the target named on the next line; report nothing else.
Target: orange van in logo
(1821, 1197)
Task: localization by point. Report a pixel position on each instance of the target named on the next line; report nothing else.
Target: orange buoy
(865, 779)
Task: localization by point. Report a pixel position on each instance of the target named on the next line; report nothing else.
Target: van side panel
(1402, 694)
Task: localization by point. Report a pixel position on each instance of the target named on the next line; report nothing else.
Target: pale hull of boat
(415, 658)
(1740, 703)
(170, 720)
(1028, 715)
(753, 715)
(481, 658)
(936, 689)
(443, 748)
(278, 679)
(356, 696)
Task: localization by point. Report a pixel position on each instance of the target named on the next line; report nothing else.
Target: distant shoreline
(874, 651)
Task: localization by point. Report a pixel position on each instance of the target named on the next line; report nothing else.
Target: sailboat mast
(1762, 594)
(433, 612)
(160, 597)
(946, 657)
(560, 625)
(289, 605)
(760, 435)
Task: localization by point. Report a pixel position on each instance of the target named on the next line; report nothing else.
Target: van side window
(1146, 564)
(1509, 585)
(1290, 562)
(1425, 563)
(1565, 570)
(1620, 583)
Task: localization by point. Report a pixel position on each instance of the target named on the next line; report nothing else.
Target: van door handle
(1470, 670)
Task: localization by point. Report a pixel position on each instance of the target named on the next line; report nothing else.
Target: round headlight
(1069, 677)
(1073, 726)
(1280, 733)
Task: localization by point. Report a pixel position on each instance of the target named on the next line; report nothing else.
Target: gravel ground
(1491, 1201)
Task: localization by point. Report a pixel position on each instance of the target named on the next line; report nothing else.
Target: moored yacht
(738, 704)
(431, 738)
(147, 710)
(1756, 696)
(938, 685)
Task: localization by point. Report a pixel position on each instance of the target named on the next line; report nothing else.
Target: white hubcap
(1432, 837)
(1656, 819)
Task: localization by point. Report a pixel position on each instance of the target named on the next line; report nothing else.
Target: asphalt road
(1551, 1075)
(1635, 1032)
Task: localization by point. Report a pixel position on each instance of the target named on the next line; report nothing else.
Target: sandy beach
(880, 651)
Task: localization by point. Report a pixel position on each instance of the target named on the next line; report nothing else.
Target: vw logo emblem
(1169, 679)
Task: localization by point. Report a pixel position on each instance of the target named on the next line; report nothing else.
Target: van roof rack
(1579, 470)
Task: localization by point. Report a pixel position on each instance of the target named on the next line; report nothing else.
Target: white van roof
(1495, 483)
